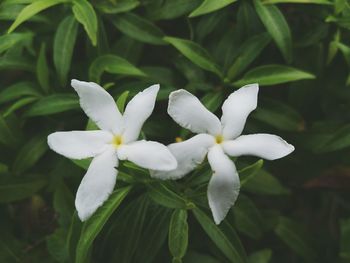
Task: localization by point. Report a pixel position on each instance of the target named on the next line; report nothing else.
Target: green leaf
(112, 64)
(162, 195)
(7, 136)
(118, 7)
(178, 234)
(9, 40)
(30, 153)
(53, 104)
(318, 2)
(85, 14)
(277, 26)
(272, 75)
(56, 245)
(296, 237)
(121, 101)
(15, 191)
(73, 236)
(195, 53)
(171, 9)
(139, 28)
(32, 9)
(219, 238)
(154, 234)
(63, 46)
(63, 203)
(17, 91)
(338, 140)
(213, 100)
(261, 256)
(16, 63)
(209, 6)
(250, 171)
(95, 224)
(265, 184)
(248, 218)
(247, 53)
(18, 105)
(279, 115)
(42, 69)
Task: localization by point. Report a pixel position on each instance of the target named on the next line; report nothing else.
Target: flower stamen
(117, 141)
(219, 139)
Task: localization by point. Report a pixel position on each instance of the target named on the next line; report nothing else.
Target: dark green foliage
(292, 210)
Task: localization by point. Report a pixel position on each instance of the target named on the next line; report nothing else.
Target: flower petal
(79, 144)
(99, 105)
(189, 112)
(223, 188)
(266, 146)
(97, 184)
(236, 109)
(148, 154)
(188, 154)
(137, 111)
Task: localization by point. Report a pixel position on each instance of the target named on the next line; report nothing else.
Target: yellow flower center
(117, 141)
(219, 139)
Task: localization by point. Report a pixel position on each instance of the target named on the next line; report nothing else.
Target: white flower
(117, 139)
(217, 139)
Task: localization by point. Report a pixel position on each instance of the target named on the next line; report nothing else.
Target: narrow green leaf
(118, 7)
(318, 2)
(9, 40)
(30, 153)
(14, 191)
(95, 224)
(247, 53)
(16, 63)
(218, 237)
(18, 90)
(279, 115)
(171, 9)
(213, 100)
(63, 203)
(42, 70)
(53, 104)
(178, 234)
(297, 238)
(272, 74)
(209, 6)
(277, 26)
(56, 245)
(85, 14)
(7, 136)
(250, 171)
(73, 236)
(20, 103)
(112, 64)
(265, 184)
(63, 46)
(164, 196)
(139, 28)
(248, 218)
(32, 9)
(261, 256)
(195, 53)
(121, 101)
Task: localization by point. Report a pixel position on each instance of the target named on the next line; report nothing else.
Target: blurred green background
(291, 210)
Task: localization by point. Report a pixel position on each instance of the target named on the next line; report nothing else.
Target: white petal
(79, 144)
(148, 154)
(188, 154)
(236, 109)
(99, 105)
(266, 146)
(97, 184)
(223, 188)
(137, 111)
(190, 113)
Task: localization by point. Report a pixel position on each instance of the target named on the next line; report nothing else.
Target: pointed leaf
(209, 6)
(178, 234)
